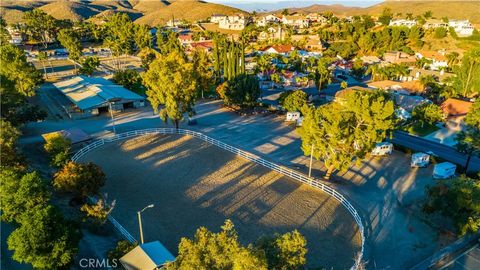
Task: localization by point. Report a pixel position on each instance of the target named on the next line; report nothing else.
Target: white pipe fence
(280, 169)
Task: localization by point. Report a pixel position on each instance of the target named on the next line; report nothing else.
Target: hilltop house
(316, 17)
(233, 22)
(216, 18)
(439, 61)
(16, 36)
(403, 22)
(270, 18)
(461, 27)
(455, 111)
(399, 58)
(434, 23)
(272, 33)
(297, 21)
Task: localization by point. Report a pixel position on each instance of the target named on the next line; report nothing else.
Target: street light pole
(311, 160)
(139, 214)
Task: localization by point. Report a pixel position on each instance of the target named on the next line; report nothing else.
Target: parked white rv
(299, 121)
(420, 160)
(383, 148)
(444, 170)
(292, 116)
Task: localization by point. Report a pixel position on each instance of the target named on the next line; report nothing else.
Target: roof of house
(423, 72)
(456, 107)
(147, 256)
(433, 55)
(382, 84)
(184, 37)
(408, 102)
(202, 45)
(282, 48)
(91, 92)
(412, 86)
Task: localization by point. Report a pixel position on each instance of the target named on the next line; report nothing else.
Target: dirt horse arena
(193, 183)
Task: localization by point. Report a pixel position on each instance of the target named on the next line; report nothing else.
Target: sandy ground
(193, 183)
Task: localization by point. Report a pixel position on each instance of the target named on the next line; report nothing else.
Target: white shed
(444, 170)
(420, 160)
(383, 148)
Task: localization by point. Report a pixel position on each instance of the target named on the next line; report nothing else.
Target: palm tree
(452, 59)
(373, 70)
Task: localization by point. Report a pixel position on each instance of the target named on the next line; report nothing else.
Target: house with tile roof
(455, 111)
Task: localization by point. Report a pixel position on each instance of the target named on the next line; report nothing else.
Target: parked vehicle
(292, 116)
(420, 160)
(444, 170)
(382, 149)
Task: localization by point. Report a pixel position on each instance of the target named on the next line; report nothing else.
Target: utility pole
(311, 160)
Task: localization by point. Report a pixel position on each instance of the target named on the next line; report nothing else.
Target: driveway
(376, 188)
(444, 136)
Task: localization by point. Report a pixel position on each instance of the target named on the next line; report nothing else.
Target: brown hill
(188, 10)
(451, 9)
(75, 11)
(335, 9)
(147, 6)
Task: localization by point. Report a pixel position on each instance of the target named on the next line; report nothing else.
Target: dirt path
(193, 183)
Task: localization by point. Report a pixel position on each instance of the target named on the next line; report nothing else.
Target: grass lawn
(416, 128)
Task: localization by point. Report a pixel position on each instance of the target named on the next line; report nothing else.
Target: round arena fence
(249, 156)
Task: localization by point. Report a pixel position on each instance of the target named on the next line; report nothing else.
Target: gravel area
(193, 183)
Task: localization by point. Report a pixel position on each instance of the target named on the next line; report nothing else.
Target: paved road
(375, 187)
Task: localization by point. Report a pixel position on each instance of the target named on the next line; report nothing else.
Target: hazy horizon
(270, 5)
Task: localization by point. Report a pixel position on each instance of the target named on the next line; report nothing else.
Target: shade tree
(79, 179)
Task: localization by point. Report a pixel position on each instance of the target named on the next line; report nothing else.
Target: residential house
(292, 78)
(370, 60)
(279, 49)
(316, 17)
(455, 111)
(408, 103)
(413, 87)
(297, 21)
(403, 22)
(462, 27)
(175, 23)
(265, 20)
(206, 46)
(16, 36)
(434, 23)
(233, 22)
(399, 58)
(216, 18)
(439, 60)
(272, 33)
(185, 38)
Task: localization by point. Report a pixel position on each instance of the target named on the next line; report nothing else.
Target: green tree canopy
(45, 239)
(459, 199)
(284, 252)
(294, 100)
(8, 143)
(58, 147)
(80, 179)
(467, 81)
(428, 113)
(440, 32)
(129, 79)
(469, 138)
(40, 26)
(89, 65)
(243, 91)
(348, 130)
(21, 193)
(171, 82)
(208, 250)
(202, 65)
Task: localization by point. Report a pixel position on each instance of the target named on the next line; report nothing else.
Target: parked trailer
(292, 116)
(420, 160)
(382, 149)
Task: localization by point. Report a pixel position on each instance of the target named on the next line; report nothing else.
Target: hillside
(451, 9)
(336, 9)
(189, 10)
(75, 11)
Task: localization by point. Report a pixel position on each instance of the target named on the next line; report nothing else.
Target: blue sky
(251, 5)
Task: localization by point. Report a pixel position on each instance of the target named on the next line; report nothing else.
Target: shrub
(80, 179)
(58, 147)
